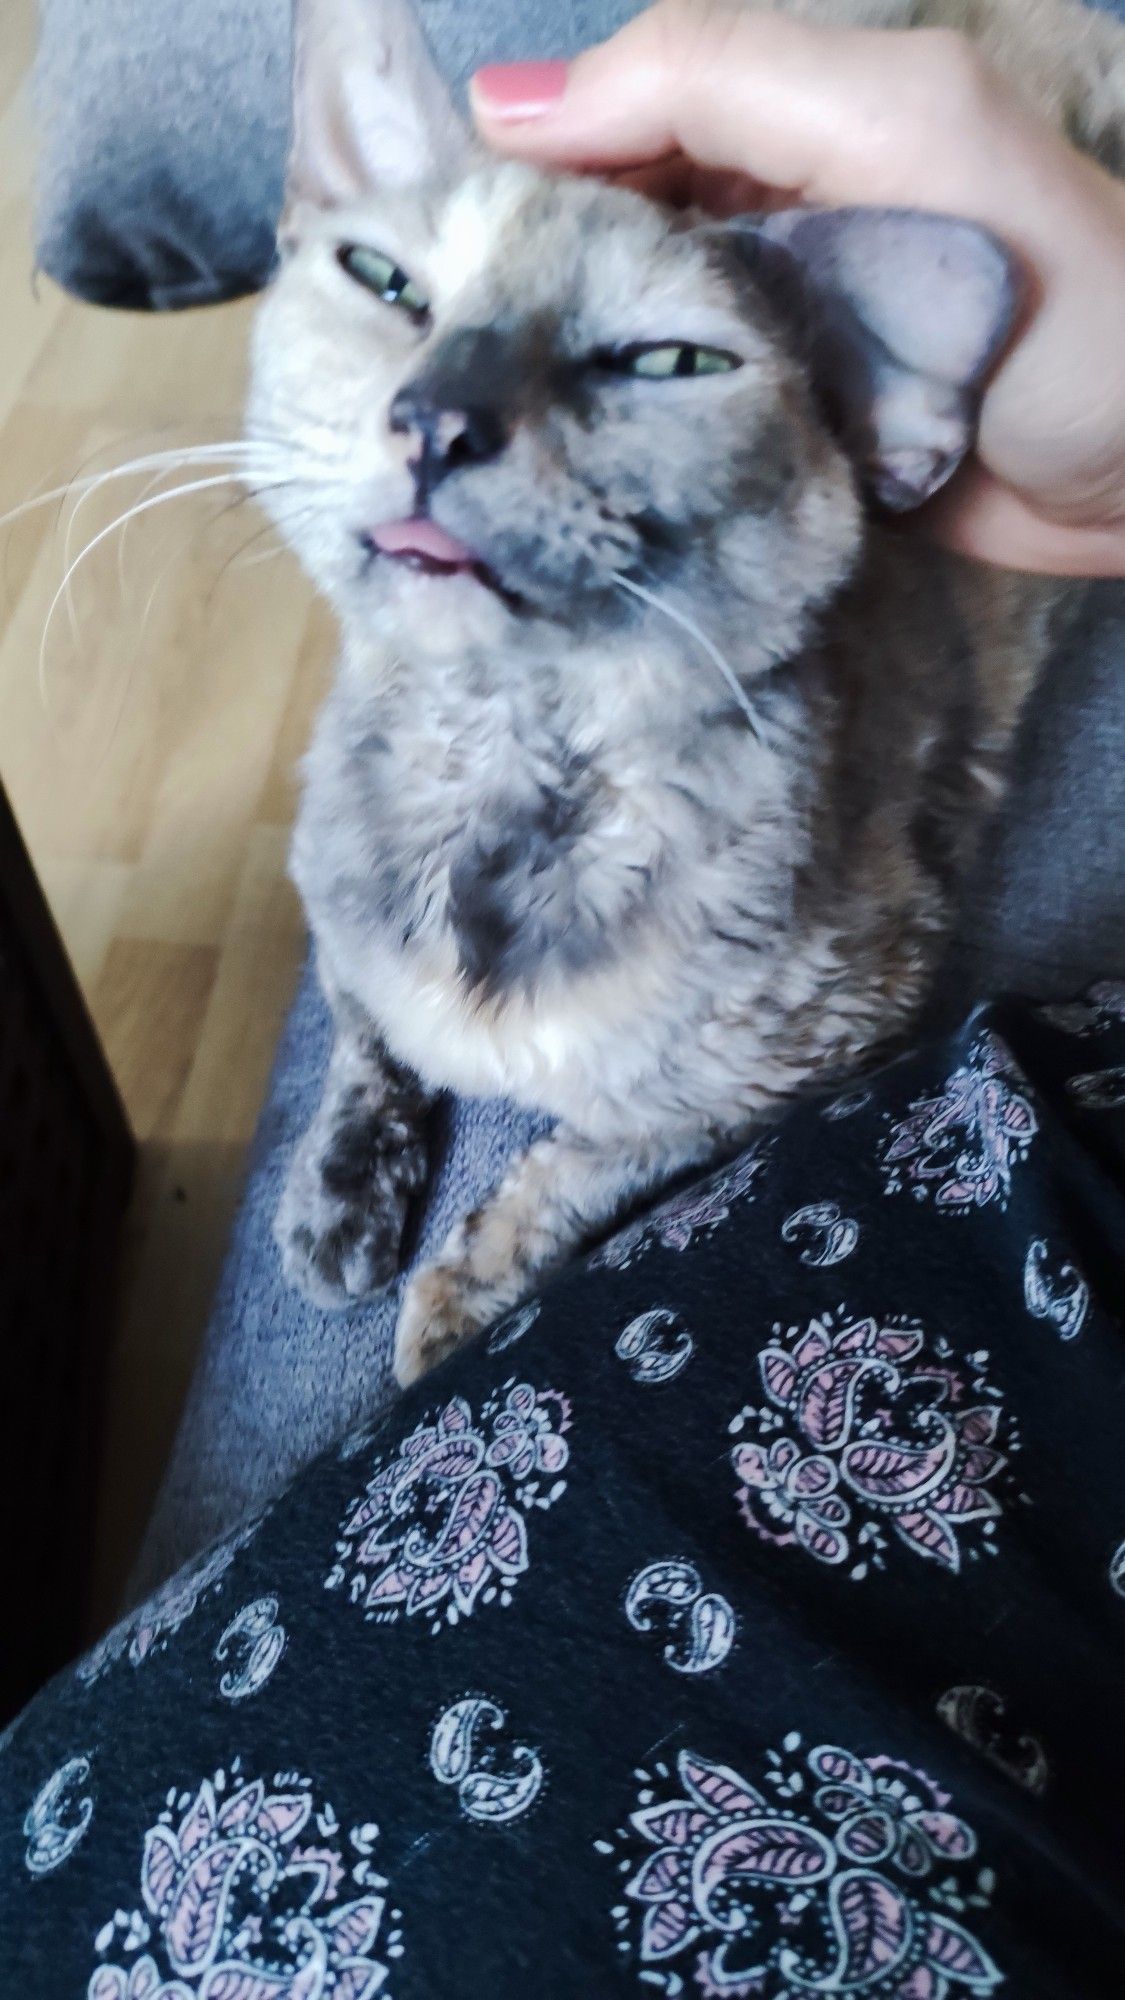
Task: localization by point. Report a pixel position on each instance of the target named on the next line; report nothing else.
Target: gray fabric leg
(278, 1379)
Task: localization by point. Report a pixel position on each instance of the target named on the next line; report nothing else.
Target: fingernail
(510, 92)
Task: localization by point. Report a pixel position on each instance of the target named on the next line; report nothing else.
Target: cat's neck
(634, 679)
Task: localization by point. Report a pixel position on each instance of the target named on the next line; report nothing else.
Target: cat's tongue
(423, 540)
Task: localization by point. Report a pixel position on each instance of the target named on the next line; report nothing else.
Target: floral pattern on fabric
(1102, 1006)
(250, 1649)
(656, 1346)
(149, 1628)
(697, 1627)
(869, 1430)
(979, 1716)
(441, 1526)
(961, 1146)
(1054, 1289)
(58, 1817)
(835, 1875)
(248, 1894)
(496, 1780)
(820, 1234)
(1100, 1089)
(675, 1223)
(513, 1327)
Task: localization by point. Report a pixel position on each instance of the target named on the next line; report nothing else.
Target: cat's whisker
(174, 460)
(122, 521)
(693, 631)
(79, 489)
(231, 561)
(253, 453)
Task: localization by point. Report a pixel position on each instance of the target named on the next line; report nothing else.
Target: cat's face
(501, 403)
(507, 358)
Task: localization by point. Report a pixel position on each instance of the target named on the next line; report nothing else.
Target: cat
(656, 750)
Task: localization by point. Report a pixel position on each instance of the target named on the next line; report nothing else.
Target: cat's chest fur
(505, 869)
(587, 884)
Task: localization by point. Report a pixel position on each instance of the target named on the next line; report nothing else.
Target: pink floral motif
(884, 1811)
(522, 1437)
(962, 1145)
(842, 1882)
(441, 1527)
(241, 1889)
(149, 1628)
(676, 1222)
(794, 1497)
(865, 1430)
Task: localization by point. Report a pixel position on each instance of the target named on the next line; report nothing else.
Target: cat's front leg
(352, 1179)
(564, 1190)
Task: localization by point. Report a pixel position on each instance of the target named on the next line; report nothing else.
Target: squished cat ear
(902, 316)
(370, 109)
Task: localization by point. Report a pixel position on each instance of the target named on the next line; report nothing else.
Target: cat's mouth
(420, 544)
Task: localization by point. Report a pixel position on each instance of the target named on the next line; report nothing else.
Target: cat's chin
(427, 610)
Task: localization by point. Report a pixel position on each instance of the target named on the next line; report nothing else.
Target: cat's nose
(450, 437)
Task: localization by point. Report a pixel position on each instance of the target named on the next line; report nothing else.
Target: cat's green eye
(381, 275)
(670, 360)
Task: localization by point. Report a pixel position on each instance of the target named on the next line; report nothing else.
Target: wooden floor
(148, 748)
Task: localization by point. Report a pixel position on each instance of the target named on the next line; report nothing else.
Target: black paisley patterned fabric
(744, 1619)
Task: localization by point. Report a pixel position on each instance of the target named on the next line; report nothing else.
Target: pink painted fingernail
(510, 92)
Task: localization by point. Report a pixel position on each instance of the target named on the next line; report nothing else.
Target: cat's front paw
(341, 1218)
(443, 1306)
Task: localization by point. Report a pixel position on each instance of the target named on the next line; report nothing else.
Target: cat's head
(501, 396)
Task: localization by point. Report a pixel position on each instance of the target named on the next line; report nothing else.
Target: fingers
(707, 102)
(978, 517)
(831, 114)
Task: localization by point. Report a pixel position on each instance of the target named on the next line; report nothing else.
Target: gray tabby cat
(653, 758)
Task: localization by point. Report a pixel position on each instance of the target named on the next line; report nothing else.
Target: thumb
(812, 109)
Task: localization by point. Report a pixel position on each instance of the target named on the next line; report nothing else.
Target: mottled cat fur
(543, 851)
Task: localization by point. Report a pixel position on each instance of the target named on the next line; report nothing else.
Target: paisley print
(656, 1346)
(820, 1234)
(513, 1327)
(496, 1782)
(441, 1526)
(869, 1430)
(978, 1715)
(1060, 1295)
(676, 1223)
(846, 1105)
(669, 1598)
(833, 1874)
(961, 1147)
(745, 1486)
(149, 1628)
(1100, 1089)
(58, 1817)
(1102, 1006)
(249, 1893)
(253, 1643)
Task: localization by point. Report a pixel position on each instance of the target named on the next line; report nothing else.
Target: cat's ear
(903, 315)
(370, 109)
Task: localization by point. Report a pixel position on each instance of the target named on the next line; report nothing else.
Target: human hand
(736, 109)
